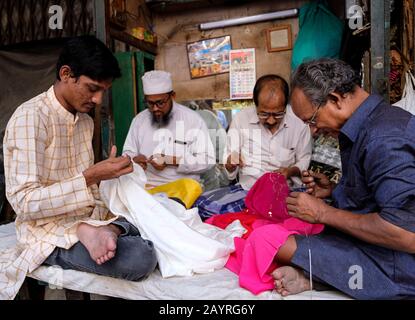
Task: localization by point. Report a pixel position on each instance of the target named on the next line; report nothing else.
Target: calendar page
(242, 75)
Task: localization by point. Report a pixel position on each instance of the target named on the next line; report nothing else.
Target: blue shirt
(377, 146)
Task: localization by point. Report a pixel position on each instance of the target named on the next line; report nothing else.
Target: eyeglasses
(275, 115)
(159, 103)
(312, 121)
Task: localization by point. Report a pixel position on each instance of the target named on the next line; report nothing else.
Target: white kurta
(186, 136)
(262, 151)
(46, 149)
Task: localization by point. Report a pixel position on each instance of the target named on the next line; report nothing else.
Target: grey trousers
(134, 259)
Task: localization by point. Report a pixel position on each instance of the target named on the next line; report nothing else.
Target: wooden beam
(132, 41)
(100, 20)
(380, 47)
(101, 32)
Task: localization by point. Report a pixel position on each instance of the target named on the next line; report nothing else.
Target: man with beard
(168, 140)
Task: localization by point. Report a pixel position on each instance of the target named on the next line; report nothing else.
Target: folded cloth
(268, 228)
(227, 199)
(185, 189)
(184, 244)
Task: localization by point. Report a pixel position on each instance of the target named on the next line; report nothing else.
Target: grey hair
(319, 78)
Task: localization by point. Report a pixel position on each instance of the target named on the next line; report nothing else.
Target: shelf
(132, 41)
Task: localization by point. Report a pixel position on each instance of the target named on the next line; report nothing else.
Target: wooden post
(380, 47)
(101, 150)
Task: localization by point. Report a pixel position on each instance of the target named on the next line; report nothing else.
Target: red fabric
(225, 219)
(254, 256)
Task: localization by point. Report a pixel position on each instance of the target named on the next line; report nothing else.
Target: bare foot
(101, 242)
(289, 280)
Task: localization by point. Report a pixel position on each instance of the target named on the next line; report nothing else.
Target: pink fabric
(253, 259)
(268, 194)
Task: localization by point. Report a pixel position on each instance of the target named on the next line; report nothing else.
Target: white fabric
(408, 96)
(263, 151)
(185, 136)
(219, 285)
(183, 243)
(157, 82)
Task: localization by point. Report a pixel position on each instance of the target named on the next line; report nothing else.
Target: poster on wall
(242, 75)
(209, 57)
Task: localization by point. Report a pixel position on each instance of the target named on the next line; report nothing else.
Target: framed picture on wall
(209, 56)
(279, 38)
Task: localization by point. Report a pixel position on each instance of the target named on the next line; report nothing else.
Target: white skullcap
(157, 82)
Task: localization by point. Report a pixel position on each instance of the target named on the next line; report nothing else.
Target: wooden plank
(130, 40)
(76, 295)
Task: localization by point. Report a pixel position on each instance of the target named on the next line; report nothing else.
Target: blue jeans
(134, 259)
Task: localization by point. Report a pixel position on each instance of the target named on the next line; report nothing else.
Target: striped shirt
(46, 149)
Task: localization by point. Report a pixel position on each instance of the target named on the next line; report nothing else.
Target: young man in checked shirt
(52, 181)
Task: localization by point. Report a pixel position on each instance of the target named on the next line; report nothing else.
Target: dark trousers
(135, 258)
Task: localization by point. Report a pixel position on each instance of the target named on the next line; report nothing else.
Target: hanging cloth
(408, 97)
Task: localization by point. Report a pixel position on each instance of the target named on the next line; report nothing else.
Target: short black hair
(88, 56)
(264, 80)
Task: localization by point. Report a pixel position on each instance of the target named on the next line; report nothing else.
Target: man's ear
(173, 95)
(336, 98)
(65, 73)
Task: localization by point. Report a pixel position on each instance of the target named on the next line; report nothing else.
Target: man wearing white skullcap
(157, 81)
(168, 140)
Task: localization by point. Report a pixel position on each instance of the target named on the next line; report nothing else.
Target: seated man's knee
(146, 261)
(138, 258)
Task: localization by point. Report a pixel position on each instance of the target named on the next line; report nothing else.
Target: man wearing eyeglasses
(267, 137)
(168, 140)
(368, 247)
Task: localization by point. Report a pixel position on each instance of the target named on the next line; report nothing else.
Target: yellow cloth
(187, 190)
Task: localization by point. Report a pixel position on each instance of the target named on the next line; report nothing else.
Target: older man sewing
(368, 247)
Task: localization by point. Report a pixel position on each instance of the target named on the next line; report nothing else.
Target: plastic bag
(320, 34)
(408, 96)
